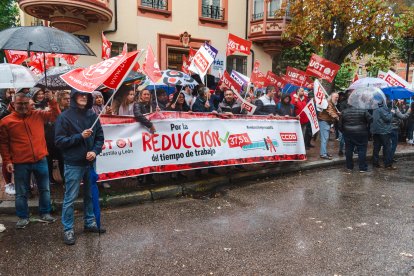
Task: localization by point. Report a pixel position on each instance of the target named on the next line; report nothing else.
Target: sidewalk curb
(195, 187)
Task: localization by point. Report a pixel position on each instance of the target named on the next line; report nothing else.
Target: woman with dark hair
(124, 104)
(179, 103)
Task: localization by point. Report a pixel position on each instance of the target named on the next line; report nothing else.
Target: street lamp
(409, 44)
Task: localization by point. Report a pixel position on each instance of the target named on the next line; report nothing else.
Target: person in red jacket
(23, 149)
(300, 101)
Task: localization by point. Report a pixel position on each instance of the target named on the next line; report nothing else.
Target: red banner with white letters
(296, 76)
(273, 79)
(151, 67)
(237, 44)
(258, 78)
(15, 57)
(110, 72)
(106, 47)
(187, 141)
(322, 68)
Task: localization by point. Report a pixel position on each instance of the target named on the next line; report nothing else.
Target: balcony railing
(214, 12)
(257, 16)
(155, 4)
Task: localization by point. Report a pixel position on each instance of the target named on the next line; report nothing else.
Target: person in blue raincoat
(79, 145)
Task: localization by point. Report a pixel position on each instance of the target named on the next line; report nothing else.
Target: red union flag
(273, 79)
(257, 77)
(151, 67)
(395, 80)
(110, 72)
(237, 44)
(322, 68)
(230, 83)
(296, 76)
(106, 47)
(37, 62)
(312, 116)
(185, 65)
(15, 57)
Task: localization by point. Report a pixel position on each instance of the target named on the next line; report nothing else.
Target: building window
(117, 47)
(237, 63)
(175, 58)
(258, 9)
(155, 4)
(273, 7)
(212, 9)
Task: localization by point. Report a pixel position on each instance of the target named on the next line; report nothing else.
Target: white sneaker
(410, 142)
(2, 228)
(10, 189)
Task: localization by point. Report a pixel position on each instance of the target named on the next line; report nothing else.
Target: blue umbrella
(93, 177)
(397, 92)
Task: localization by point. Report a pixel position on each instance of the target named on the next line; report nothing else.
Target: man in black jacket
(266, 104)
(354, 125)
(229, 104)
(80, 144)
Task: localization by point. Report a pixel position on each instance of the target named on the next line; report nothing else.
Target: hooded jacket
(22, 137)
(68, 132)
(285, 109)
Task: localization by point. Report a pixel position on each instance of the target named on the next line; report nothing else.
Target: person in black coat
(229, 104)
(266, 105)
(354, 124)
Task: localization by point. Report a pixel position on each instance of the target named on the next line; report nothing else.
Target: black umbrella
(53, 80)
(43, 39)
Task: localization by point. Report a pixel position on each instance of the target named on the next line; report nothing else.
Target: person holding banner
(266, 104)
(229, 105)
(354, 125)
(326, 118)
(79, 145)
(144, 106)
(284, 107)
(300, 103)
(203, 101)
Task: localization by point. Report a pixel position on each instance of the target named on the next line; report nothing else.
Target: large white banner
(187, 141)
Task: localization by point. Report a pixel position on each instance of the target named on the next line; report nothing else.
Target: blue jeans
(361, 143)
(394, 142)
(341, 138)
(73, 177)
(324, 128)
(410, 129)
(22, 173)
(382, 140)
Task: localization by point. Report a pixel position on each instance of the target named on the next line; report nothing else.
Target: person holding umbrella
(80, 144)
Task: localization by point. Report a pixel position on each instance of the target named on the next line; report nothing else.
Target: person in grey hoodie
(381, 128)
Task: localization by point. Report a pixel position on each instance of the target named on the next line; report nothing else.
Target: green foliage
(345, 76)
(9, 14)
(377, 63)
(297, 57)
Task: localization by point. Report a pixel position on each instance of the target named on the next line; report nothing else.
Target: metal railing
(257, 16)
(214, 12)
(155, 4)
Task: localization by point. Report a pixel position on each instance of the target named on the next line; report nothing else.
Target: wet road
(314, 223)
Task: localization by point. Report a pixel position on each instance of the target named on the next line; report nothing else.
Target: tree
(376, 63)
(9, 14)
(345, 76)
(297, 57)
(340, 27)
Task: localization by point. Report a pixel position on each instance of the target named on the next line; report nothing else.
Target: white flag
(313, 118)
(320, 96)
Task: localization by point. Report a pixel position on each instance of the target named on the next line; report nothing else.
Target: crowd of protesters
(42, 130)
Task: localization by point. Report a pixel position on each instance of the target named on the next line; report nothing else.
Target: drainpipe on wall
(246, 30)
(116, 19)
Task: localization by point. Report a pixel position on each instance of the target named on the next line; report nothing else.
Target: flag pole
(155, 93)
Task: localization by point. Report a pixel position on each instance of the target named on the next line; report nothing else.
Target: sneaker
(395, 160)
(93, 228)
(10, 189)
(47, 218)
(69, 237)
(410, 142)
(330, 155)
(326, 157)
(22, 223)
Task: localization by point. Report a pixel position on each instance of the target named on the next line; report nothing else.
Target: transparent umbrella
(367, 98)
(16, 76)
(369, 82)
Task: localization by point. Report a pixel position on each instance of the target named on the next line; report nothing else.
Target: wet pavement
(326, 222)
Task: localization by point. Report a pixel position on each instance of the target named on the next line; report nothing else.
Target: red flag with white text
(322, 68)
(310, 111)
(110, 73)
(296, 76)
(258, 78)
(15, 57)
(237, 44)
(273, 79)
(151, 67)
(185, 65)
(106, 47)
(320, 96)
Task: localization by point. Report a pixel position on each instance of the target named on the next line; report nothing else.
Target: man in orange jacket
(23, 149)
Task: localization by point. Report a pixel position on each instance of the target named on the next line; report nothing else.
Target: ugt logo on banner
(322, 68)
